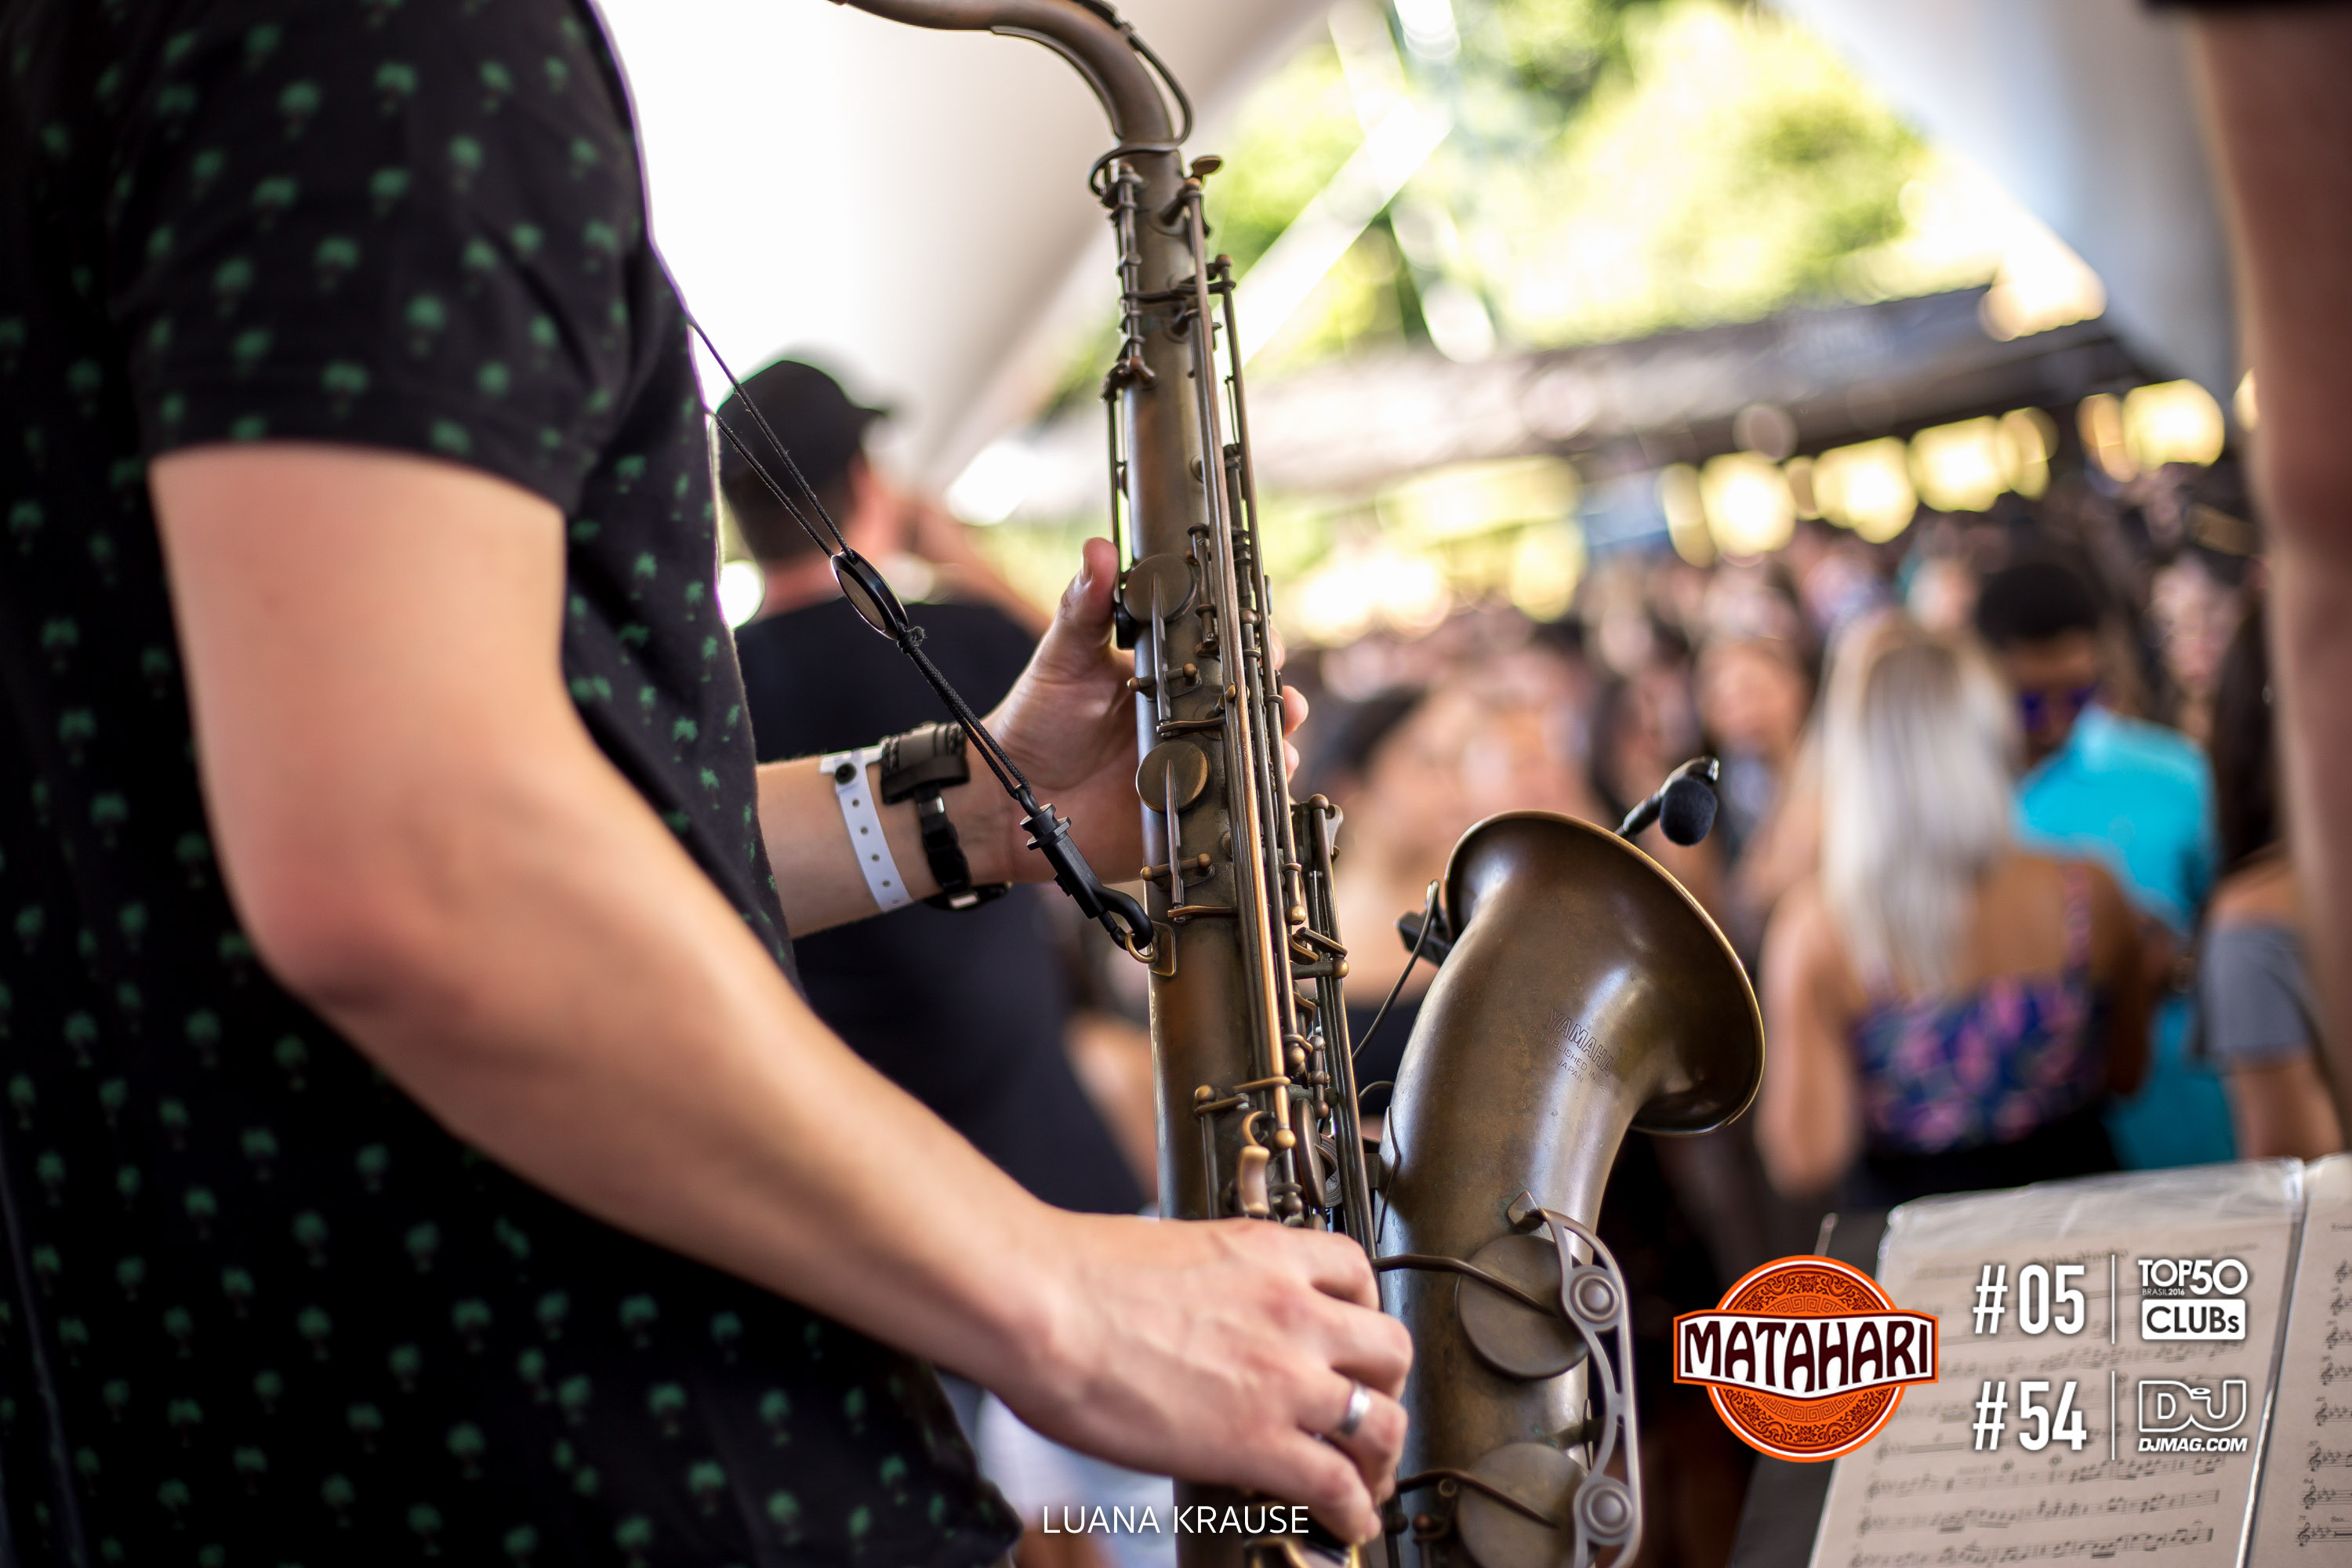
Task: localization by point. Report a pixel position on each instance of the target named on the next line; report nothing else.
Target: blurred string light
(1479, 498)
(1798, 472)
(1680, 498)
(2173, 422)
(1547, 564)
(1747, 502)
(2099, 419)
(1370, 586)
(2244, 404)
(1960, 468)
(2028, 440)
(1867, 488)
(1476, 531)
(741, 587)
(2042, 285)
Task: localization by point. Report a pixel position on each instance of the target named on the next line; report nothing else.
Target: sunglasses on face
(2040, 707)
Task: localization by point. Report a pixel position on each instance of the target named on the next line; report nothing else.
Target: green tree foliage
(1617, 167)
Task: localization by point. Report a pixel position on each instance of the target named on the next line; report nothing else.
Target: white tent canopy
(907, 207)
(2085, 112)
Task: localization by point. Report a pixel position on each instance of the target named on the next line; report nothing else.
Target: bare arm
(426, 845)
(2281, 125)
(1809, 1116)
(1069, 724)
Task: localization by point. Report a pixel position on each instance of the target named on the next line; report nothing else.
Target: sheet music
(1931, 1490)
(2305, 1514)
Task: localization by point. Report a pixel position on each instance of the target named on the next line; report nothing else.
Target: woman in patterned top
(1946, 1011)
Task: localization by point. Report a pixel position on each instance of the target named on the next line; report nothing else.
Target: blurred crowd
(1999, 841)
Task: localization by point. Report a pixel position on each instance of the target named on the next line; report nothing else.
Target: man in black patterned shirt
(414, 1144)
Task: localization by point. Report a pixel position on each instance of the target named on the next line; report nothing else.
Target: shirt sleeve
(2250, 986)
(400, 226)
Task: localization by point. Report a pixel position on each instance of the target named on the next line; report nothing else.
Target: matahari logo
(1806, 1358)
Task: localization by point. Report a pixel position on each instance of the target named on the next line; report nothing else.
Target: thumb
(1073, 645)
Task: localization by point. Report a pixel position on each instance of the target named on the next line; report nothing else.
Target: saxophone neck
(1088, 33)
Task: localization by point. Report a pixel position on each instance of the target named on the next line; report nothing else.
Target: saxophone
(1581, 991)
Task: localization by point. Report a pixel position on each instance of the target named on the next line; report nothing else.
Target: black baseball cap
(809, 412)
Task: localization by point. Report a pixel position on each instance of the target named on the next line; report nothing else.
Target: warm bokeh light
(1547, 564)
(1478, 498)
(2028, 440)
(1357, 590)
(2042, 285)
(1867, 488)
(1686, 511)
(2173, 422)
(2244, 404)
(1749, 509)
(1960, 468)
(2100, 420)
(1799, 472)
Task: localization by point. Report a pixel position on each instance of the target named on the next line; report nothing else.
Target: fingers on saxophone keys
(1377, 1439)
(1331, 1483)
(1332, 1264)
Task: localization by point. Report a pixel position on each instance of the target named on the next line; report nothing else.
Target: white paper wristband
(867, 839)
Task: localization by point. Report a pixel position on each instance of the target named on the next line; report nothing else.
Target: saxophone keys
(1173, 773)
(1508, 1335)
(1162, 584)
(1250, 1194)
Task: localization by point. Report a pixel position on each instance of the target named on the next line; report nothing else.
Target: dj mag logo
(1806, 1358)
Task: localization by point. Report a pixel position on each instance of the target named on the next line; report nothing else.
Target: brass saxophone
(1582, 991)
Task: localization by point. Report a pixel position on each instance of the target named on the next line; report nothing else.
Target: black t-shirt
(965, 1010)
(256, 1307)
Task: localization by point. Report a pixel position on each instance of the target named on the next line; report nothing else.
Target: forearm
(568, 992)
(816, 869)
(2282, 131)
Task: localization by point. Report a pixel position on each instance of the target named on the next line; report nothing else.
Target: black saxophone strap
(921, 765)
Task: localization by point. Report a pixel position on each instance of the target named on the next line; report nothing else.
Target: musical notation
(2141, 1545)
(1922, 1495)
(1953, 1521)
(2291, 1519)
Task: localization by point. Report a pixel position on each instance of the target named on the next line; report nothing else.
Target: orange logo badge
(1806, 1358)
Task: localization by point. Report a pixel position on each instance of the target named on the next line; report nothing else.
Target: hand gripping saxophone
(1582, 992)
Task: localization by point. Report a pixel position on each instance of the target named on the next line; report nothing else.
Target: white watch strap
(867, 839)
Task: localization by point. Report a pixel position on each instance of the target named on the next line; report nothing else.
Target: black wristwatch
(919, 765)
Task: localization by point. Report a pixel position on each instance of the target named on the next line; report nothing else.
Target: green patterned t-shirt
(256, 1307)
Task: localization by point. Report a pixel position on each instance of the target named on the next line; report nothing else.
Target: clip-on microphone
(1684, 805)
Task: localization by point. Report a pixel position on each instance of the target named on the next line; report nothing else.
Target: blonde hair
(1918, 758)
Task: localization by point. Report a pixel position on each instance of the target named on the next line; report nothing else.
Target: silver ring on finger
(1359, 1402)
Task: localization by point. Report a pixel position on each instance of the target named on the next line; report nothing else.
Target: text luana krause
(1205, 1518)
